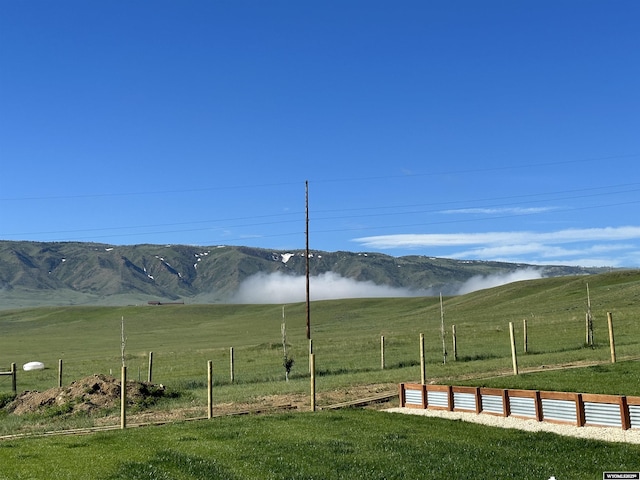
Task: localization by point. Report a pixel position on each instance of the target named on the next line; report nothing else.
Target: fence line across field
(580, 409)
(384, 356)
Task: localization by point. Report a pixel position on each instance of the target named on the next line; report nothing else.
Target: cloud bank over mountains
(595, 247)
(277, 288)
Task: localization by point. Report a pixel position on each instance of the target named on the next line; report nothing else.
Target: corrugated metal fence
(580, 409)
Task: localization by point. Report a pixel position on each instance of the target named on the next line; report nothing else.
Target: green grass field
(348, 444)
(346, 336)
(346, 342)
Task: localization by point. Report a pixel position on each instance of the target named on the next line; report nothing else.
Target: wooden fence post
(150, 374)
(123, 398)
(423, 368)
(455, 342)
(538, 406)
(625, 418)
(209, 389)
(586, 329)
(612, 343)
(526, 337)
(580, 420)
(312, 366)
(14, 383)
(589, 320)
(514, 357)
(401, 395)
(232, 371)
(382, 352)
(60, 373)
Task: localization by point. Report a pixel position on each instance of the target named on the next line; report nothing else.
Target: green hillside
(346, 336)
(74, 273)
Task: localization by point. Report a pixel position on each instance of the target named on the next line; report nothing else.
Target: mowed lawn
(346, 444)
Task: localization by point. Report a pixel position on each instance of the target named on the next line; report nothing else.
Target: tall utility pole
(306, 202)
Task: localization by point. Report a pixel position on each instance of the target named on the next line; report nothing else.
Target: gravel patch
(606, 434)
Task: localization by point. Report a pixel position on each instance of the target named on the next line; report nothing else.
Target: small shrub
(191, 385)
(6, 398)
(405, 364)
(287, 363)
(58, 410)
(478, 357)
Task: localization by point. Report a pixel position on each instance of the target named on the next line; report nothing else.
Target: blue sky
(493, 130)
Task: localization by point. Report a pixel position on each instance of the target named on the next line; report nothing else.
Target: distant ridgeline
(73, 273)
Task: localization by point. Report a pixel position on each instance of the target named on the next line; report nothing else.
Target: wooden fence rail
(580, 409)
(11, 373)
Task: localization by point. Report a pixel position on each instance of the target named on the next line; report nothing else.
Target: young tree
(443, 332)
(123, 340)
(287, 362)
(589, 320)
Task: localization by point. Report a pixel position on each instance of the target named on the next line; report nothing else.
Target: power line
(352, 229)
(609, 190)
(321, 181)
(286, 218)
(482, 170)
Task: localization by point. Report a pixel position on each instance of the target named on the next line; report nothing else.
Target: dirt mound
(96, 392)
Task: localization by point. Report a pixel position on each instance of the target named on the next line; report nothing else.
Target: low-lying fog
(280, 288)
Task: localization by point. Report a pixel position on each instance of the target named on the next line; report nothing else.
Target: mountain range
(73, 273)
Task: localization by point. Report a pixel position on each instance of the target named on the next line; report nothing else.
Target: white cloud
(278, 287)
(541, 250)
(500, 238)
(480, 282)
(499, 211)
(610, 246)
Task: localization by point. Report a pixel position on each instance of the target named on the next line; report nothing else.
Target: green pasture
(346, 341)
(620, 378)
(346, 337)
